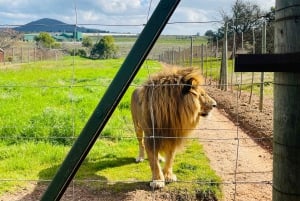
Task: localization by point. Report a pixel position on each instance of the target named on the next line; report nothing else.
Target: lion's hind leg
(140, 137)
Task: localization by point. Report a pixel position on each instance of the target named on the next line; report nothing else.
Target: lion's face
(206, 102)
(194, 89)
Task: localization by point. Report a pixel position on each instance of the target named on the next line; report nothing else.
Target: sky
(125, 16)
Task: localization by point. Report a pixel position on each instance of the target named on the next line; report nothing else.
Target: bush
(10, 59)
(104, 49)
(78, 52)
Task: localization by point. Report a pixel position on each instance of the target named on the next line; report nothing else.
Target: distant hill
(52, 25)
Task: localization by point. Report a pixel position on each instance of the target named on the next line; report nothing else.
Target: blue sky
(119, 12)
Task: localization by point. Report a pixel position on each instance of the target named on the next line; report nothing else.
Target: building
(66, 36)
(60, 37)
(30, 37)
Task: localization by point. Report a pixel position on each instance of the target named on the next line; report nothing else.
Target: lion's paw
(156, 184)
(139, 159)
(170, 178)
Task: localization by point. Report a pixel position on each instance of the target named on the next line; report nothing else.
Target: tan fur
(164, 111)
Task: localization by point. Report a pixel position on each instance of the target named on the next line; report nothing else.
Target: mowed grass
(45, 105)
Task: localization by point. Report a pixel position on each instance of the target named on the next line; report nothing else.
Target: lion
(165, 110)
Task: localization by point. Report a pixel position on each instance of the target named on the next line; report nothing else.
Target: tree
(45, 40)
(87, 42)
(215, 35)
(270, 19)
(8, 37)
(104, 49)
(245, 17)
(209, 33)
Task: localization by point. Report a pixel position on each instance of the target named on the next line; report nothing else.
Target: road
(245, 167)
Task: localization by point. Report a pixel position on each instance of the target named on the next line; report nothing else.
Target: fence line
(219, 140)
(26, 55)
(185, 57)
(197, 55)
(131, 137)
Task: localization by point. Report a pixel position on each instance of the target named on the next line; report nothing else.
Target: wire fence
(236, 179)
(122, 135)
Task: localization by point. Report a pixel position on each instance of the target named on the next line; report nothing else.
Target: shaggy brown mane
(166, 87)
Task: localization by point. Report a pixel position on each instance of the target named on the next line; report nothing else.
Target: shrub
(104, 49)
(78, 52)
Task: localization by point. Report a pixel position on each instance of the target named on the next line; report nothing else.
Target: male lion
(165, 110)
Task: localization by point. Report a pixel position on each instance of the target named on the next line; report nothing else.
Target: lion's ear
(189, 86)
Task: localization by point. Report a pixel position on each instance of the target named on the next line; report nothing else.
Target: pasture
(43, 108)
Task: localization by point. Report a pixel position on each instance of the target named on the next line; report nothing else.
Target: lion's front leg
(158, 180)
(168, 169)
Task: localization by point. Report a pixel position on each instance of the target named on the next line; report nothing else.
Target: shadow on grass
(87, 184)
(106, 177)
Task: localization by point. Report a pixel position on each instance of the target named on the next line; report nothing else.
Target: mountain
(52, 25)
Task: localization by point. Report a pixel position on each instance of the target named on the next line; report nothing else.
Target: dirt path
(251, 163)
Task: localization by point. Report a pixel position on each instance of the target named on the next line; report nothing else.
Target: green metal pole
(110, 100)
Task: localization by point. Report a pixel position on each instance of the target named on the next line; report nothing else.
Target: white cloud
(190, 14)
(118, 6)
(118, 12)
(88, 16)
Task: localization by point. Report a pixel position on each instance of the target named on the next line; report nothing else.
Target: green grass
(24, 161)
(164, 43)
(45, 105)
(163, 39)
(55, 99)
(110, 162)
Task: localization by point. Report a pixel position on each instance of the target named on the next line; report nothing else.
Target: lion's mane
(166, 107)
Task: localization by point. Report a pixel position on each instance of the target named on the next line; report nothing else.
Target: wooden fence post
(12, 55)
(178, 59)
(22, 55)
(262, 76)
(191, 53)
(223, 72)
(233, 55)
(252, 77)
(34, 57)
(286, 141)
(28, 55)
(202, 58)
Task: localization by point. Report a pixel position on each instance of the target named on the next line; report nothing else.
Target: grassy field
(43, 108)
(164, 42)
